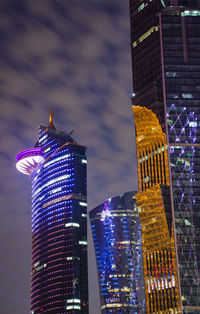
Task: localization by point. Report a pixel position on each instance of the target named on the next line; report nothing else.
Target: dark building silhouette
(57, 168)
(117, 239)
(165, 41)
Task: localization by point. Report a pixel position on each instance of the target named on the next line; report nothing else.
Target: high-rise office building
(165, 45)
(116, 233)
(154, 207)
(57, 168)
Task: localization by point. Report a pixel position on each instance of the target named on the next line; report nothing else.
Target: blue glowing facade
(59, 281)
(166, 79)
(116, 233)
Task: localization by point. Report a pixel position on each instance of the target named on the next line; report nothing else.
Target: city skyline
(43, 67)
(76, 59)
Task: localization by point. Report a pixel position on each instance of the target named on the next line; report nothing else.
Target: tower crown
(51, 125)
(29, 159)
(147, 124)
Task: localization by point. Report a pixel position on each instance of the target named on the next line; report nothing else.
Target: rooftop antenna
(51, 125)
(71, 132)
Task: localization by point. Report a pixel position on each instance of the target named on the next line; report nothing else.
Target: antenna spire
(51, 125)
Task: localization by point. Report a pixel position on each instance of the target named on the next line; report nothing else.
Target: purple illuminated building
(116, 231)
(57, 168)
(165, 43)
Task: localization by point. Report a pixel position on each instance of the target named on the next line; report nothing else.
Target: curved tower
(116, 232)
(154, 206)
(57, 168)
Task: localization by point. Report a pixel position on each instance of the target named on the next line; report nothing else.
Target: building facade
(166, 78)
(154, 207)
(116, 233)
(57, 168)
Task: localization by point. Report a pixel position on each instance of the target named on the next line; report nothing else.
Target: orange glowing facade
(154, 205)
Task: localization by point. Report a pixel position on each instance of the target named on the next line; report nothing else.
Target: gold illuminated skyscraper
(153, 200)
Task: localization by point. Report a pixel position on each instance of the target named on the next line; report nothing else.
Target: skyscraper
(116, 232)
(166, 79)
(57, 168)
(153, 200)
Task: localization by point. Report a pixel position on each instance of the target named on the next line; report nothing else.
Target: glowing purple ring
(29, 159)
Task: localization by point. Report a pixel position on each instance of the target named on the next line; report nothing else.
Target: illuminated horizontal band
(112, 305)
(64, 198)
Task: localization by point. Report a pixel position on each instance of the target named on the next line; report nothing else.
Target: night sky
(73, 56)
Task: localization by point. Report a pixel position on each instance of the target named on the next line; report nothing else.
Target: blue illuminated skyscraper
(57, 168)
(116, 233)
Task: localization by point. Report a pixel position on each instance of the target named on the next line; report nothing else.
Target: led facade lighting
(153, 200)
(59, 222)
(166, 80)
(116, 233)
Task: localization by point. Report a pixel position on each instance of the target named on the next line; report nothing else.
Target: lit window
(36, 264)
(72, 224)
(56, 190)
(82, 204)
(163, 3)
(142, 6)
(73, 307)
(73, 301)
(38, 268)
(47, 149)
(56, 159)
(171, 74)
(145, 35)
(187, 96)
(193, 124)
(66, 176)
(70, 258)
(187, 222)
(117, 305)
(57, 200)
(82, 242)
(190, 13)
(43, 138)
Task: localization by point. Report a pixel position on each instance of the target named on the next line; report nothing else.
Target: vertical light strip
(139, 165)
(152, 167)
(159, 162)
(143, 171)
(155, 164)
